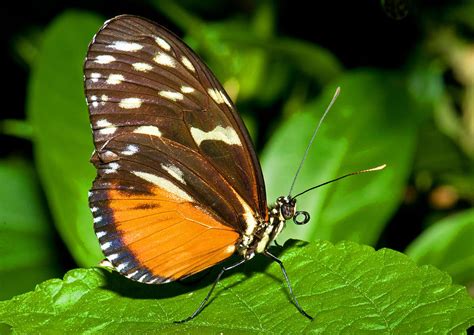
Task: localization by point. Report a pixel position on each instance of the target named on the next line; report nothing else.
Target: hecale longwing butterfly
(179, 187)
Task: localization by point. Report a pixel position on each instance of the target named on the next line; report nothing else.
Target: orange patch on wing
(171, 239)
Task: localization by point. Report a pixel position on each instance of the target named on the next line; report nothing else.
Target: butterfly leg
(276, 259)
(203, 303)
(277, 244)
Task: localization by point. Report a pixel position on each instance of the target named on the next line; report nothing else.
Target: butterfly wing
(178, 179)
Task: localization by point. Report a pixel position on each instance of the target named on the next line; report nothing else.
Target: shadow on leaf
(135, 290)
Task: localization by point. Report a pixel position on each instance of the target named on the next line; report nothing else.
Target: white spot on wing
(95, 77)
(164, 184)
(100, 234)
(130, 103)
(113, 257)
(187, 63)
(226, 135)
(174, 172)
(142, 67)
(215, 95)
(164, 59)
(97, 219)
(219, 97)
(106, 245)
(112, 168)
(130, 275)
(94, 209)
(108, 130)
(141, 278)
(126, 46)
(115, 79)
(162, 43)
(130, 150)
(174, 96)
(104, 59)
(187, 89)
(107, 127)
(122, 266)
(104, 98)
(103, 123)
(148, 130)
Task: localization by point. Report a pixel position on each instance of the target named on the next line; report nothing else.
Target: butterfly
(179, 187)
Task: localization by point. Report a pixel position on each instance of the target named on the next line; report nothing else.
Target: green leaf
(17, 128)
(448, 245)
(348, 288)
(24, 228)
(62, 139)
(370, 124)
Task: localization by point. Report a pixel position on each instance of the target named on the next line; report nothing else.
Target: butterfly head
(287, 208)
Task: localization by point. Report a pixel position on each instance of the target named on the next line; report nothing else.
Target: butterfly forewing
(177, 174)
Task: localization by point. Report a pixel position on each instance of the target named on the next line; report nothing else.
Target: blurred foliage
(26, 235)
(448, 245)
(62, 137)
(417, 116)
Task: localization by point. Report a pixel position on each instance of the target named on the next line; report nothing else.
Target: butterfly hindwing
(176, 168)
(147, 234)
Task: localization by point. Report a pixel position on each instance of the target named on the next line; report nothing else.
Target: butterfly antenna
(336, 94)
(377, 168)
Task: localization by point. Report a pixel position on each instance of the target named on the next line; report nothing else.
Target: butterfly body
(257, 237)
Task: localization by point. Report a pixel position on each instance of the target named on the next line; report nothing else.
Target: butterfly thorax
(257, 239)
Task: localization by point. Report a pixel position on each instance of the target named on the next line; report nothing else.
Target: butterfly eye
(288, 211)
(301, 217)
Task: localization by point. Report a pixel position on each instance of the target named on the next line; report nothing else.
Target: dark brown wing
(162, 124)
